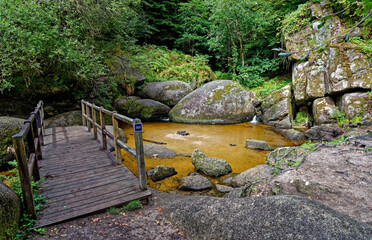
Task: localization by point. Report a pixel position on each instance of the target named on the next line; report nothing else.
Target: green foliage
(297, 20)
(270, 86)
(56, 48)
(364, 45)
(309, 146)
(301, 118)
(340, 117)
(336, 141)
(133, 205)
(162, 64)
(114, 210)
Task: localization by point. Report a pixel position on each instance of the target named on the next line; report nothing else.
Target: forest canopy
(64, 47)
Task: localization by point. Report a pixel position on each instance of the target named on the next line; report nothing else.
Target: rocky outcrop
(161, 172)
(210, 166)
(252, 174)
(276, 108)
(8, 127)
(195, 182)
(169, 92)
(72, 118)
(293, 134)
(217, 102)
(153, 150)
(273, 217)
(284, 158)
(337, 176)
(145, 109)
(324, 132)
(10, 212)
(257, 144)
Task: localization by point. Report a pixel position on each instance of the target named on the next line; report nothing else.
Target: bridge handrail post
(140, 156)
(103, 128)
(115, 127)
(34, 147)
(83, 112)
(94, 122)
(24, 175)
(40, 123)
(88, 117)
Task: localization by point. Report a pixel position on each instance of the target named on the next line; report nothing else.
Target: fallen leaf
(159, 210)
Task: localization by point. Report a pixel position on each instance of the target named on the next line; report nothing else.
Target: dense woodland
(73, 49)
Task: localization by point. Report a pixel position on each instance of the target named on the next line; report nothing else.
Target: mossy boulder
(323, 110)
(210, 166)
(145, 109)
(354, 104)
(8, 127)
(217, 102)
(169, 92)
(276, 108)
(71, 118)
(258, 144)
(153, 150)
(10, 212)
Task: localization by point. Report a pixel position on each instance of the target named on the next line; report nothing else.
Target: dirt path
(146, 223)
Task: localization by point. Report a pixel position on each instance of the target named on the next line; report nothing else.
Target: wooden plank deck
(80, 178)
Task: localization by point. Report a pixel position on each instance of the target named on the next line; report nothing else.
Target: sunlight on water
(213, 140)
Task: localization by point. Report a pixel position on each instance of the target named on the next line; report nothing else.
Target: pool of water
(213, 140)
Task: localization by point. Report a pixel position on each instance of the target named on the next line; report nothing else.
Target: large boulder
(169, 92)
(153, 150)
(8, 127)
(161, 172)
(324, 132)
(271, 217)
(354, 104)
(145, 109)
(323, 110)
(219, 102)
(72, 118)
(210, 166)
(10, 212)
(276, 108)
(195, 182)
(252, 174)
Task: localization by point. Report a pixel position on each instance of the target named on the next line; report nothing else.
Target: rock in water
(161, 172)
(219, 102)
(211, 166)
(153, 150)
(10, 211)
(274, 217)
(169, 92)
(195, 183)
(250, 175)
(257, 144)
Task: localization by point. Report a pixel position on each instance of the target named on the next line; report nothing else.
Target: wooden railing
(89, 115)
(31, 135)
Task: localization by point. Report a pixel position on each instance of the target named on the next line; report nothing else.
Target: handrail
(32, 133)
(89, 117)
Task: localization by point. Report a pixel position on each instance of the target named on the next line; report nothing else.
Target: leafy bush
(301, 117)
(133, 205)
(270, 86)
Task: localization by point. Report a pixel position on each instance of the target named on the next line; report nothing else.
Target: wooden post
(103, 127)
(39, 123)
(115, 127)
(88, 117)
(140, 156)
(36, 149)
(94, 122)
(83, 112)
(20, 152)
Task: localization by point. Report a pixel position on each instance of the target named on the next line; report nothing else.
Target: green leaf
(304, 57)
(285, 54)
(276, 49)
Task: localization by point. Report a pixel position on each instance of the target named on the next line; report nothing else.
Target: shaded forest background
(73, 49)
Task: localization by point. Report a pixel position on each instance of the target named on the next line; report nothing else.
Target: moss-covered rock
(71, 118)
(219, 102)
(10, 212)
(210, 166)
(8, 127)
(161, 172)
(169, 92)
(323, 110)
(354, 104)
(277, 107)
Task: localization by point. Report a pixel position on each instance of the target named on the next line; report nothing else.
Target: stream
(221, 141)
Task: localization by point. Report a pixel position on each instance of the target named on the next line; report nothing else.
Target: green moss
(219, 94)
(365, 46)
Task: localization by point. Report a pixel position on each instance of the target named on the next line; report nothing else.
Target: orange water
(213, 140)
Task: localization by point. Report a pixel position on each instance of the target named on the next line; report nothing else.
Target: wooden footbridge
(81, 175)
